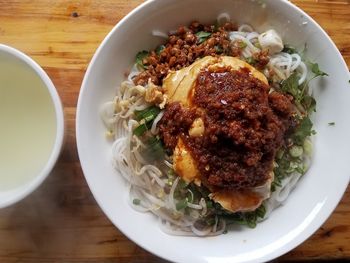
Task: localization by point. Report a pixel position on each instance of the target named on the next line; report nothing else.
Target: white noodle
(133, 73)
(172, 191)
(245, 28)
(158, 33)
(223, 18)
(154, 129)
(194, 206)
(199, 232)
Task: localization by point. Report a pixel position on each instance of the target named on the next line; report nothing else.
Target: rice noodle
(154, 129)
(133, 72)
(158, 33)
(223, 18)
(282, 64)
(245, 28)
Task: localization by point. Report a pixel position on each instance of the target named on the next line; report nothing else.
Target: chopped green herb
(140, 130)
(202, 36)
(300, 92)
(303, 53)
(209, 204)
(171, 176)
(293, 166)
(289, 49)
(303, 131)
(316, 70)
(261, 211)
(291, 85)
(181, 204)
(182, 184)
(309, 103)
(210, 221)
(249, 219)
(280, 153)
(242, 45)
(136, 201)
(151, 115)
(331, 124)
(219, 49)
(296, 151)
(154, 150)
(284, 166)
(307, 147)
(276, 183)
(140, 57)
(159, 49)
(251, 61)
(147, 114)
(216, 25)
(171, 173)
(257, 44)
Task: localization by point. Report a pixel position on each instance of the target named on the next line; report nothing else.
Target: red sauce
(244, 127)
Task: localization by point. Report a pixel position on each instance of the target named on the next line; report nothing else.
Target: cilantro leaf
(202, 36)
(309, 103)
(303, 131)
(299, 92)
(249, 219)
(140, 57)
(316, 70)
(291, 85)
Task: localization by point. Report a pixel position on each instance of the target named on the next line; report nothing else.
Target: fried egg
(179, 86)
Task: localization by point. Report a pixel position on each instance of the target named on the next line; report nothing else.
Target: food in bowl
(213, 126)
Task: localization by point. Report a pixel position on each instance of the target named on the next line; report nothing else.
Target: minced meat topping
(244, 127)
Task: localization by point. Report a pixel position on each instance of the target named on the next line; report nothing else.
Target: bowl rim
(297, 240)
(19, 193)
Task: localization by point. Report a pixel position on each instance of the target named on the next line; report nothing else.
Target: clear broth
(27, 123)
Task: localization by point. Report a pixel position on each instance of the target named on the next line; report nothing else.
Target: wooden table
(61, 221)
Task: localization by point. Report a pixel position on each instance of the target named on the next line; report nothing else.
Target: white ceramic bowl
(316, 195)
(9, 197)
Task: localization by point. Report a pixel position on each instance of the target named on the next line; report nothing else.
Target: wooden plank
(61, 221)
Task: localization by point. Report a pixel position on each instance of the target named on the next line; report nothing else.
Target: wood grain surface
(61, 222)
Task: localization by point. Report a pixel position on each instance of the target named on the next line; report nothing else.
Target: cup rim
(17, 194)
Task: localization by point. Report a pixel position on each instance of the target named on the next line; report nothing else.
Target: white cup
(20, 191)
